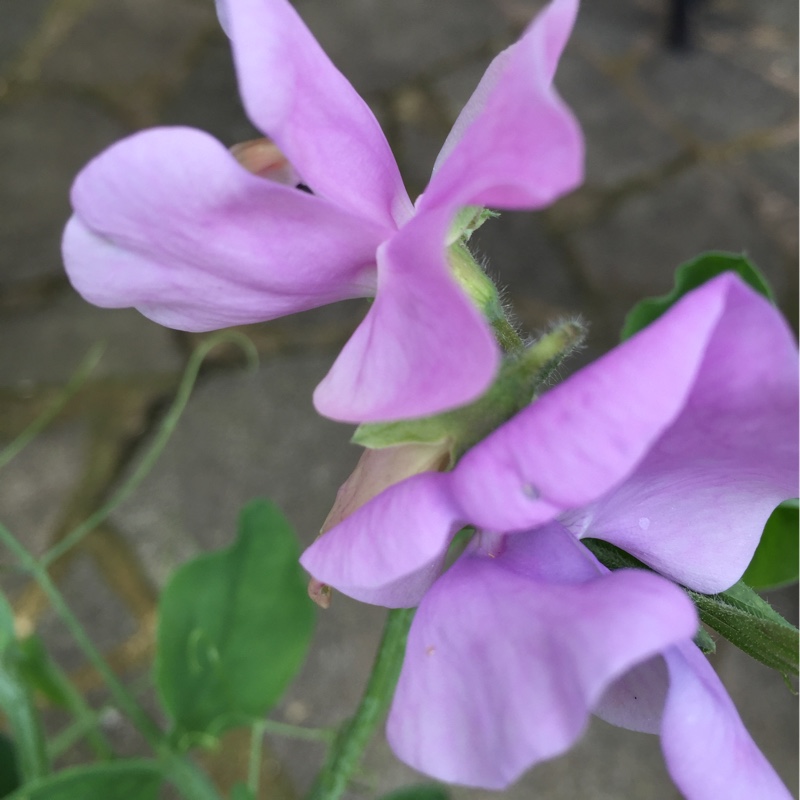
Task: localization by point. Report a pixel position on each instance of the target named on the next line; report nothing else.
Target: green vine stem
(163, 436)
(85, 368)
(184, 774)
(348, 747)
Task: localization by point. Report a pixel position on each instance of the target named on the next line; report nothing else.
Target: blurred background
(688, 150)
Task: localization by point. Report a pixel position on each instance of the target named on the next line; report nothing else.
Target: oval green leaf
(775, 562)
(233, 629)
(689, 276)
(136, 779)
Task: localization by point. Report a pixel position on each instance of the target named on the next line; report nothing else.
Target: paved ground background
(686, 152)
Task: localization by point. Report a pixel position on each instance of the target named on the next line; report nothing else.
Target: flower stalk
(348, 747)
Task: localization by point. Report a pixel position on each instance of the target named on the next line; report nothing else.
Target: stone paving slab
(50, 138)
(397, 42)
(633, 252)
(17, 27)
(133, 345)
(121, 42)
(714, 99)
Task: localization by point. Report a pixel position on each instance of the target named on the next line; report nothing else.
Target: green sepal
(522, 374)
(467, 221)
(422, 791)
(234, 627)
(132, 779)
(690, 276)
(775, 562)
(750, 622)
(739, 614)
(705, 641)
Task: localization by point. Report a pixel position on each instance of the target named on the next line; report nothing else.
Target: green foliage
(121, 780)
(234, 627)
(738, 614)
(39, 673)
(16, 702)
(241, 792)
(749, 622)
(689, 276)
(423, 791)
(775, 562)
(9, 771)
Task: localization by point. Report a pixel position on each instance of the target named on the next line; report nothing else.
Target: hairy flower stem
(348, 747)
(480, 287)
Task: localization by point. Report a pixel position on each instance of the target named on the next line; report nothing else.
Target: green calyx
(467, 221)
(522, 376)
(482, 291)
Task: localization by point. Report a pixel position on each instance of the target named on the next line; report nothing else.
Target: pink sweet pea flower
(675, 446)
(169, 222)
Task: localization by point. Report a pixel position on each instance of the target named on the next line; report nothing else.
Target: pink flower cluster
(676, 446)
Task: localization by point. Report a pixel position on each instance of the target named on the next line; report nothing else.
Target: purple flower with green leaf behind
(676, 446)
(168, 220)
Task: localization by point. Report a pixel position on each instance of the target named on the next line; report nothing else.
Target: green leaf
(423, 791)
(749, 622)
(38, 671)
(738, 614)
(233, 630)
(9, 771)
(135, 779)
(241, 792)
(775, 562)
(688, 277)
(16, 703)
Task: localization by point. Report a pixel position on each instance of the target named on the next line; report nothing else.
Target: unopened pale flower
(167, 221)
(676, 446)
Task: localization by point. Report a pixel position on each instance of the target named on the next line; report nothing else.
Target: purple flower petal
(295, 95)
(503, 668)
(392, 367)
(515, 144)
(694, 509)
(587, 435)
(636, 700)
(390, 550)
(708, 751)
(168, 222)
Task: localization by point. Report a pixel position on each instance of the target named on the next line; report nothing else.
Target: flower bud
(263, 158)
(375, 471)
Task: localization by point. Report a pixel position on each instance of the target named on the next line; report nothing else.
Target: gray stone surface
(617, 30)
(124, 41)
(634, 252)
(133, 344)
(712, 98)
(530, 271)
(621, 142)
(17, 27)
(35, 487)
(209, 98)
(96, 605)
(388, 34)
(243, 436)
(50, 139)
